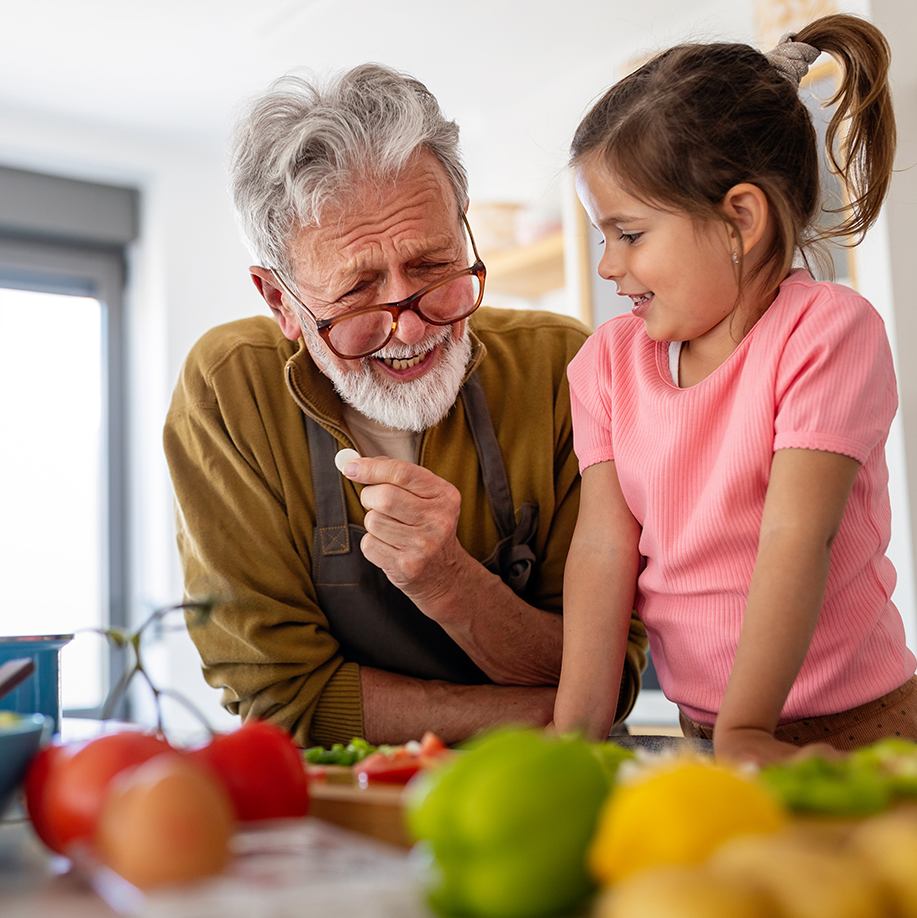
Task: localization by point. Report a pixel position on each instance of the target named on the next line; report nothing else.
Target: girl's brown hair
(687, 126)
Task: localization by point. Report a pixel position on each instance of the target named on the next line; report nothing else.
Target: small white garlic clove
(344, 456)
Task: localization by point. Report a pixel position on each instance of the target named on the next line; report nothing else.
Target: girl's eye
(630, 238)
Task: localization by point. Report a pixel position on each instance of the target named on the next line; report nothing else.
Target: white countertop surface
(284, 869)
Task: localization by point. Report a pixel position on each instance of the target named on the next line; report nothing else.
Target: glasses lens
(453, 300)
(360, 334)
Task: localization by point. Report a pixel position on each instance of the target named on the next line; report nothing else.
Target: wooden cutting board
(375, 810)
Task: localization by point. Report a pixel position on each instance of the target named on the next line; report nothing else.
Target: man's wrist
(460, 591)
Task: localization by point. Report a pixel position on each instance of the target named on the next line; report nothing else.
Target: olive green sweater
(236, 446)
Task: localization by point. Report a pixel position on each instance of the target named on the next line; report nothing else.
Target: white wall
(888, 269)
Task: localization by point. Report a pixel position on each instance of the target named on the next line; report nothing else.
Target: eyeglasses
(365, 330)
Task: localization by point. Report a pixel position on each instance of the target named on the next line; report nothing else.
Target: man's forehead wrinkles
(406, 244)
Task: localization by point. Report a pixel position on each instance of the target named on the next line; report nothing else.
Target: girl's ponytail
(698, 119)
(861, 135)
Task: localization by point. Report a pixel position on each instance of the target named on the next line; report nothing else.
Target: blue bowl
(21, 736)
(41, 692)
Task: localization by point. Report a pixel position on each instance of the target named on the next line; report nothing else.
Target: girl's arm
(600, 580)
(805, 502)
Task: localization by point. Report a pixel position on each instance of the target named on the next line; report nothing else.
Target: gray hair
(303, 143)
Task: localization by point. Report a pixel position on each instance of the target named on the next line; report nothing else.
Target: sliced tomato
(396, 766)
(399, 765)
(432, 748)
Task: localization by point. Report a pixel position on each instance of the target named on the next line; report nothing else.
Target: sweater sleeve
(267, 643)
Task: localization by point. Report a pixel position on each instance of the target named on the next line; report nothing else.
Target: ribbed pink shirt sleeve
(835, 385)
(591, 416)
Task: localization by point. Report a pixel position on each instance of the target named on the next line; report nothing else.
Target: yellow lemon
(678, 813)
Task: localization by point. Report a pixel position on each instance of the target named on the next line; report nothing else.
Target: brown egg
(165, 821)
(887, 844)
(803, 874)
(680, 892)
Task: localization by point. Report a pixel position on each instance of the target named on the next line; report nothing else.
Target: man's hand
(411, 520)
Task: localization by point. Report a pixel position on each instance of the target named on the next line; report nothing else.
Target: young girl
(731, 430)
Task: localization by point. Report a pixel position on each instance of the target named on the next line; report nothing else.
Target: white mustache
(405, 351)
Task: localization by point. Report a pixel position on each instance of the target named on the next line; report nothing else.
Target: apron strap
(330, 503)
(512, 559)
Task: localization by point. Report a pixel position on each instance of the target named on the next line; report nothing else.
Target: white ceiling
(516, 75)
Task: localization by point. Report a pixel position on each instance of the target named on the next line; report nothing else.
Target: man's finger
(406, 475)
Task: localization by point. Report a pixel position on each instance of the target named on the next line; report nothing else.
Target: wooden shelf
(527, 271)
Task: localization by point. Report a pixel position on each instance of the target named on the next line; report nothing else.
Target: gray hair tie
(792, 58)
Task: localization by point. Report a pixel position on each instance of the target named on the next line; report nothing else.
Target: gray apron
(374, 622)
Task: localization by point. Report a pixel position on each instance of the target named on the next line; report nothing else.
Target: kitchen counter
(277, 868)
(351, 852)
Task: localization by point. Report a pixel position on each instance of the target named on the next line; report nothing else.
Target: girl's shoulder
(807, 295)
(821, 306)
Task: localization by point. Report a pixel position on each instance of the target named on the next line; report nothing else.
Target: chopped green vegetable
(844, 787)
(894, 758)
(339, 754)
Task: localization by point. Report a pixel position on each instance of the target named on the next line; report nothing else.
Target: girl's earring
(735, 256)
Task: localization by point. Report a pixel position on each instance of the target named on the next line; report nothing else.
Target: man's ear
(746, 205)
(276, 298)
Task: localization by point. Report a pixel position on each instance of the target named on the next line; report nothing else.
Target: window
(62, 470)
(61, 545)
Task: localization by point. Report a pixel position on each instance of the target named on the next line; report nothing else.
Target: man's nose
(410, 328)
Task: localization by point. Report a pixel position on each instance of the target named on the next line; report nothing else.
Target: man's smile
(407, 367)
(403, 363)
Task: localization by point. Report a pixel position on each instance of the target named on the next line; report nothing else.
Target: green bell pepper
(504, 827)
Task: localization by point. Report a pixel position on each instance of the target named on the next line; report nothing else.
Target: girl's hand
(749, 745)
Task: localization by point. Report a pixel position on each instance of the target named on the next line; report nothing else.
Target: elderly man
(419, 587)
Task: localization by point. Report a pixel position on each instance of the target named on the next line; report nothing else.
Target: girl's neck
(702, 355)
(698, 360)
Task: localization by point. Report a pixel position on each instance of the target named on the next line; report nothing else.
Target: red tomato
(66, 784)
(262, 769)
(34, 785)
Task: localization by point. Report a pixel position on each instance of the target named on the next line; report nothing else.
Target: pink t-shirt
(814, 373)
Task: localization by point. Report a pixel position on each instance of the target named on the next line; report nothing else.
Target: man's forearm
(400, 708)
(512, 642)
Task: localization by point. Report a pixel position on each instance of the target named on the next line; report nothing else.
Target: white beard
(414, 405)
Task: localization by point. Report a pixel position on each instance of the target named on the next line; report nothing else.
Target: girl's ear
(287, 317)
(747, 207)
